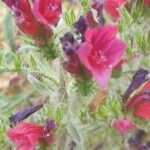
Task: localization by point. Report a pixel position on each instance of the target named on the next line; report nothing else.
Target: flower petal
(107, 34)
(115, 51)
(25, 136)
(102, 75)
(83, 53)
(143, 110)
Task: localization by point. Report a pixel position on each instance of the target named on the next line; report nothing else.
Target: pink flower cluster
(100, 49)
(26, 136)
(140, 102)
(34, 20)
(101, 52)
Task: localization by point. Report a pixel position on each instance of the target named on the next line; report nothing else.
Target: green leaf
(9, 31)
(86, 5)
(37, 85)
(33, 62)
(126, 15)
(73, 131)
(17, 63)
(69, 18)
(26, 48)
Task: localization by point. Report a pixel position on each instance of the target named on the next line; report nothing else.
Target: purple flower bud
(69, 43)
(24, 114)
(50, 125)
(140, 77)
(81, 25)
(143, 147)
(98, 6)
(68, 37)
(133, 142)
(101, 20)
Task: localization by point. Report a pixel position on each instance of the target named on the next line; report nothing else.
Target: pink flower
(140, 102)
(47, 11)
(101, 52)
(123, 125)
(25, 136)
(25, 20)
(147, 2)
(23, 16)
(112, 7)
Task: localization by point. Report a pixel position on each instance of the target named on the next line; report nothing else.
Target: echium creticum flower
(140, 102)
(96, 52)
(16, 118)
(101, 52)
(140, 77)
(26, 136)
(147, 3)
(36, 22)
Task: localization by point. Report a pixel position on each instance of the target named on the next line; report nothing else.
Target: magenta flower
(26, 21)
(123, 125)
(101, 52)
(112, 7)
(26, 136)
(47, 11)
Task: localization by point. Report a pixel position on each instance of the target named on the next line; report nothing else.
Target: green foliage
(86, 5)
(142, 41)
(85, 87)
(74, 132)
(9, 31)
(69, 18)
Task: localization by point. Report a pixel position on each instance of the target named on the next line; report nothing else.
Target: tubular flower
(98, 7)
(147, 3)
(24, 114)
(139, 78)
(23, 16)
(140, 102)
(101, 52)
(123, 125)
(81, 25)
(47, 11)
(25, 19)
(112, 7)
(25, 136)
(70, 45)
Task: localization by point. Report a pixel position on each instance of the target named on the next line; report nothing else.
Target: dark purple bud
(81, 25)
(101, 20)
(69, 43)
(140, 77)
(24, 114)
(50, 125)
(98, 6)
(143, 147)
(72, 65)
(68, 37)
(140, 134)
(133, 142)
